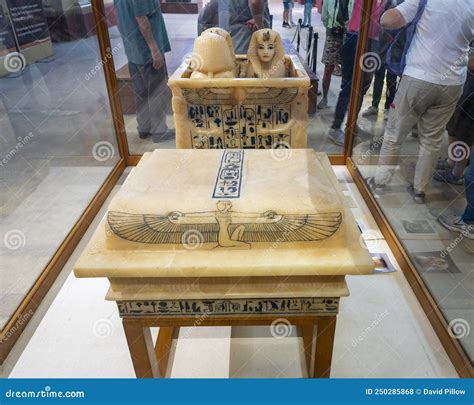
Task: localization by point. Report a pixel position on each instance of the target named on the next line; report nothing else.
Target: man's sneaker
(323, 103)
(286, 25)
(370, 111)
(443, 164)
(386, 113)
(447, 176)
(377, 189)
(418, 196)
(337, 136)
(163, 136)
(456, 224)
(144, 135)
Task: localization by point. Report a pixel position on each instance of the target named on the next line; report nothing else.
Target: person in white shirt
(432, 82)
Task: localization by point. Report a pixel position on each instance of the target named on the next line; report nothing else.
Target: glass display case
(68, 128)
(58, 149)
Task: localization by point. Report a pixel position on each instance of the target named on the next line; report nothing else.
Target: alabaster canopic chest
(227, 237)
(227, 213)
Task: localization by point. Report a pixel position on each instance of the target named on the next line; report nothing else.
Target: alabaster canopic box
(244, 113)
(227, 213)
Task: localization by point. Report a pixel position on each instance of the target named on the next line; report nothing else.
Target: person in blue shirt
(241, 18)
(145, 41)
(308, 9)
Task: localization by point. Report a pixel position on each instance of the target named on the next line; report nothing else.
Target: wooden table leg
(324, 346)
(163, 346)
(140, 345)
(307, 333)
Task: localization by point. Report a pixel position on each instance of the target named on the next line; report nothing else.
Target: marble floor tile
(266, 358)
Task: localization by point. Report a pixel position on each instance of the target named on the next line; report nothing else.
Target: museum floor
(382, 331)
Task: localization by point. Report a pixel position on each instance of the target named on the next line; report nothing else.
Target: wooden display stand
(151, 361)
(125, 90)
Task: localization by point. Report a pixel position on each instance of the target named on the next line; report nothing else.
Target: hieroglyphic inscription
(254, 306)
(239, 127)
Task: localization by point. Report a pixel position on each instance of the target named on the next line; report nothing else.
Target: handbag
(338, 32)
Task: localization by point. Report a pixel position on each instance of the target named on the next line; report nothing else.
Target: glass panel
(181, 24)
(413, 146)
(57, 142)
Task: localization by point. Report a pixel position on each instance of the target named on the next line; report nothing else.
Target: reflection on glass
(142, 45)
(322, 55)
(414, 153)
(57, 143)
(146, 42)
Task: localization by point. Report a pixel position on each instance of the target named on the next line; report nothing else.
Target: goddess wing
(290, 228)
(159, 229)
(273, 96)
(209, 97)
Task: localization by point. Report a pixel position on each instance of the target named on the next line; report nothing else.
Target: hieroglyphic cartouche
(229, 175)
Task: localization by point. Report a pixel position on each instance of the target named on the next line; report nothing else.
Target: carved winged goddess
(226, 228)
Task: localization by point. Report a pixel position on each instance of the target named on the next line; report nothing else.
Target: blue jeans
(348, 55)
(469, 184)
(308, 8)
(380, 75)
